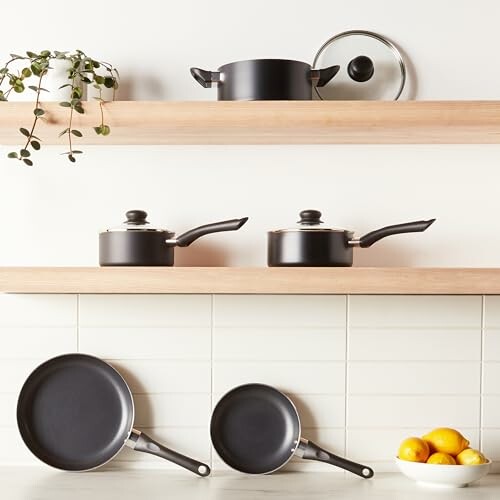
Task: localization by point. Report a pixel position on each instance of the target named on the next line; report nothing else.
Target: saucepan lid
(371, 67)
(137, 221)
(310, 220)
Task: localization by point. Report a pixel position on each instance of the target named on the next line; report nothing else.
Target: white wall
(52, 212)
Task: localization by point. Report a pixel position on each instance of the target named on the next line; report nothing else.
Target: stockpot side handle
(142, 442)
(311, 451)
(409, 227)
(187, 238)
(205, 78)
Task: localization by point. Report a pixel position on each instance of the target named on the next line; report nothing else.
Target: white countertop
(34, 483)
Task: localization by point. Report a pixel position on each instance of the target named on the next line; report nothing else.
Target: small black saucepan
(256, 429)
(137, 243)
(75, 412)
(309, 244)
(265, 80)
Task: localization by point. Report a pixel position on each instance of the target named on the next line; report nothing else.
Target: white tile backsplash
(363, 371)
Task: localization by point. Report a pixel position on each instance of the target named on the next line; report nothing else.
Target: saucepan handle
(206, 78)
(320, 77)
(311, 451)
(409, 227)
(187, 238)
(142, 442)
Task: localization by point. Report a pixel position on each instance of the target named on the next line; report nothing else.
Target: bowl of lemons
(441, 458)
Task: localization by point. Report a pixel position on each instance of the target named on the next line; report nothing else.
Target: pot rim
(294, 61)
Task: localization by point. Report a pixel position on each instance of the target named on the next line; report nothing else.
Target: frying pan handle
(410, 227)
(142, 442)
(311, 451)
(187, 238)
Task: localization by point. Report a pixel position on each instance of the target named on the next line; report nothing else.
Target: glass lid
(310, 220)
(136, 221)
(371, 67)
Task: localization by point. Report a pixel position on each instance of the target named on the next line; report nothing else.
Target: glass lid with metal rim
(371, 67)
(136, 221)
(310, 220)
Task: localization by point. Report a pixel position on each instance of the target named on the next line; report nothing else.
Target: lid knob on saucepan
(136, 217)
(310, 217)
(361, 69)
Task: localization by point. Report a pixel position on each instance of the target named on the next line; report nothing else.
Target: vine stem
(71, 120)
(30, 137)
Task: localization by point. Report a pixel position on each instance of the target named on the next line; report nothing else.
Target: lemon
(414, 449)
(471, 457)
(446, 440)
(441, 459)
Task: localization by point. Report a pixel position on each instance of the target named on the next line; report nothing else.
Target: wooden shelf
(222, 280)
(267, 122)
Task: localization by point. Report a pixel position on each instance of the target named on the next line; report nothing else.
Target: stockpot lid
(310, 220)
(136, 221)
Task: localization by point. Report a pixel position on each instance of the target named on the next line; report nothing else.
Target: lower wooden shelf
(236, 280)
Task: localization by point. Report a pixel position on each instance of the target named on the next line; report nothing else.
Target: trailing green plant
(82, 70)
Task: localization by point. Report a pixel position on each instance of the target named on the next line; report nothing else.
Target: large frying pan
(256, 429)
(75, 412)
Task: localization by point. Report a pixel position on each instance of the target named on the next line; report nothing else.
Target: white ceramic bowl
(450, 476)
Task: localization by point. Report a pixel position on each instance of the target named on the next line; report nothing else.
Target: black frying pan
(75, 412)
(256, 429)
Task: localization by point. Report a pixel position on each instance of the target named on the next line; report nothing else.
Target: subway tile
(492, 311)
(295, 377)
(414, 377)
(491, 378)
(153, 376)
(147, 343)
(407, 344)
(38, 310)
(8, 405)
(294, 311)
(413, 411)
(491, 348)
(414, 311)
(177, 410)
(13, 450)
(14, 372)
(37, 342)
(491, 411)
(379, 445)
(143, 311)
(273, 344)
(193, 442)
(491, 444)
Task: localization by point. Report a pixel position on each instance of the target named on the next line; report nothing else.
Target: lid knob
(310, 217)
(137, 217)
(361, 69)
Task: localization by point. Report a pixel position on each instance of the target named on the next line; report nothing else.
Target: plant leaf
(98, 130)
(38, 112)
(77, 133)
(71, 158)
(65, 131)
(24, 131)
(12, 155)
(77, 152)
(105, 130)
(26, 72)
(65, 104)
(28, 162)
(24, 153)
(35, 145)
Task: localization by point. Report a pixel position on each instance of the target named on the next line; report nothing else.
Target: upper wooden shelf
(267, 122)
(234, 280)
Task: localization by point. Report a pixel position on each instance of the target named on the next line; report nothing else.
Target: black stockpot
(138, 244)
(310, 245)
(265, 79)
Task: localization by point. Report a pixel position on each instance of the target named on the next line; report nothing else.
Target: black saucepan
(265, 79)
(75, 412)
(256, 429)
(310, 244)
(137, 243)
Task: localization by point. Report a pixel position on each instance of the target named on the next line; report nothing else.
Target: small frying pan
(75, 412)
(256, 429)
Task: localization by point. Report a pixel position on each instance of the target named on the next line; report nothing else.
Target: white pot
(55, 78)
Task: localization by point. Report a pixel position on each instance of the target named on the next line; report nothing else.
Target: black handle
(410, 227)
(361, 69)
(147, 445)
(313, 452)
(187, 238)
(321, 77)
(205, 78)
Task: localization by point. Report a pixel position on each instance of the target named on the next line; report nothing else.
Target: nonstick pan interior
(75, 412)
(255, 429)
